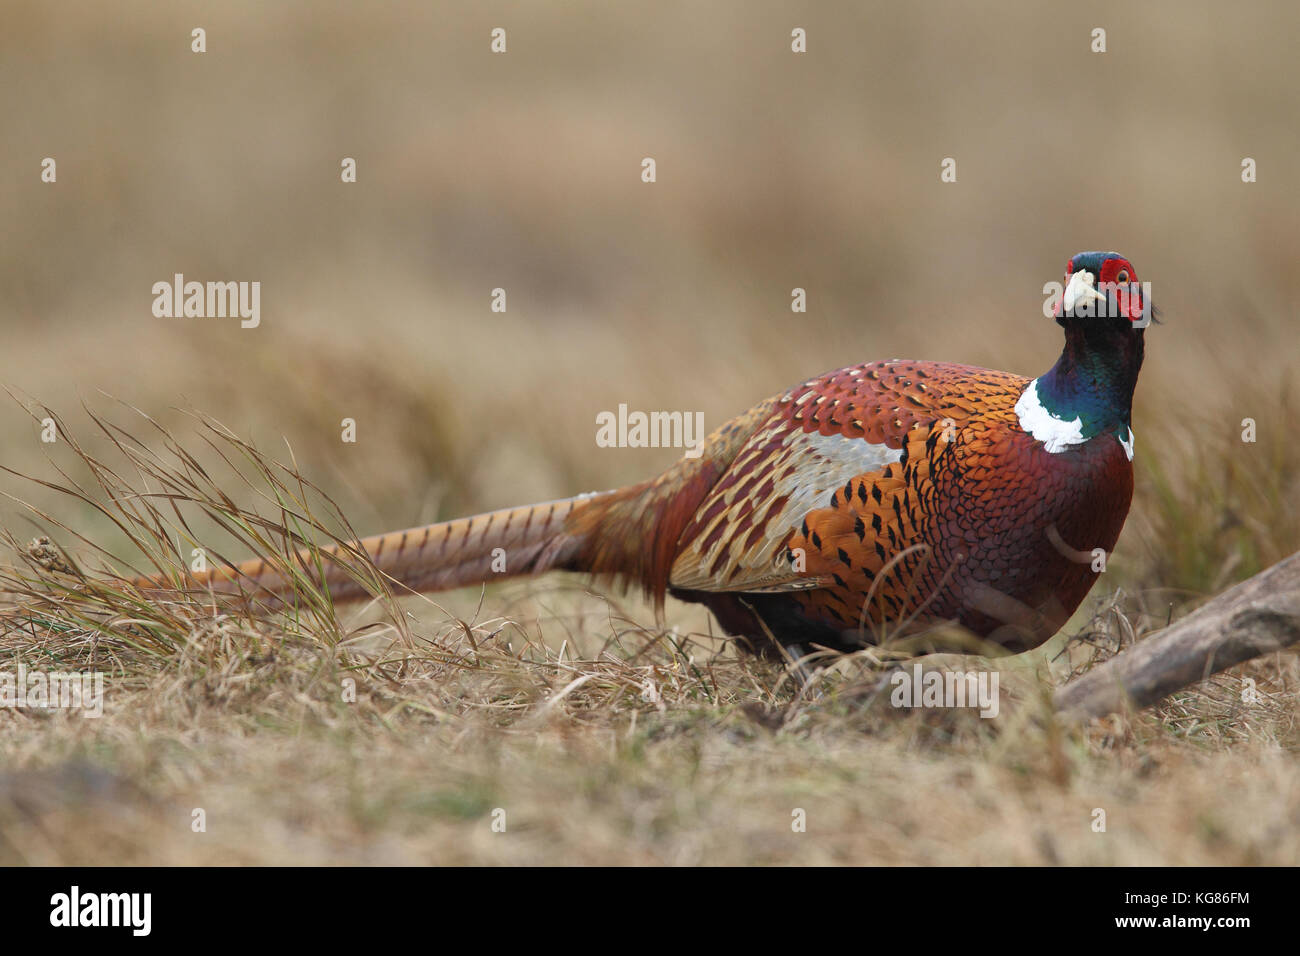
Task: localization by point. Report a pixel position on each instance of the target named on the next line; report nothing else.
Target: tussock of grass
(395, 731)
(1219, 509)
(78, 608)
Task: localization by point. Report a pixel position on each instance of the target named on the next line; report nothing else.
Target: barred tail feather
(630, 535)
(438, 557)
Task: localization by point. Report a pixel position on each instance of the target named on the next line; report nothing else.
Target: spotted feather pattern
(907, 492)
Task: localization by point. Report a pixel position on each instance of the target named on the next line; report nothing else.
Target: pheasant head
(1104, 310)
(1101, 286)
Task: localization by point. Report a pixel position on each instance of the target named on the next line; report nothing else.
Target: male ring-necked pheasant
(889, 493)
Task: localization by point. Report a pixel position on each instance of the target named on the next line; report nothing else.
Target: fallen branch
(1259, 615)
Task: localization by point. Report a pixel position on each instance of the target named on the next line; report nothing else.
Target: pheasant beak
(1080, 290)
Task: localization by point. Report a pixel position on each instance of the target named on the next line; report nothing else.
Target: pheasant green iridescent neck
(1093, 380)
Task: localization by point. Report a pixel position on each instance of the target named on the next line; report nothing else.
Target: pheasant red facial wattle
(873, 501)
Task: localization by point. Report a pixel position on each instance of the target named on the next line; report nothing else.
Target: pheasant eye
(1122, 277)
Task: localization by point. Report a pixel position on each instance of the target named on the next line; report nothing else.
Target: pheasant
(880, 499)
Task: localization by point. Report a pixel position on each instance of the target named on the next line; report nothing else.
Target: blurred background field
(522, 171)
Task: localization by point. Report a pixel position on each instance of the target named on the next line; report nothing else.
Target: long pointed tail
(437, 557)
(630, 534)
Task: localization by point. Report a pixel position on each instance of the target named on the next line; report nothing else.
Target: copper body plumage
(974, 522)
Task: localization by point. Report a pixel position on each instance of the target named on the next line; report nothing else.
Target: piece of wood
(1259, 615)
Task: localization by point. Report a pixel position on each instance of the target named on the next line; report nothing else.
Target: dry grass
(601, 740)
